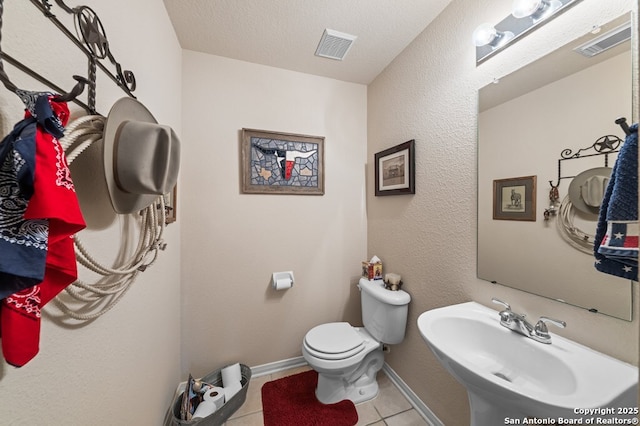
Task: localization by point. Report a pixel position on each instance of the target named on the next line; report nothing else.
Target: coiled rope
(577, 238)
(101, 296)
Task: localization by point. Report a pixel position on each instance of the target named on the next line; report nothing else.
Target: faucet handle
(500, 302)
(507, 316)
(541, 326)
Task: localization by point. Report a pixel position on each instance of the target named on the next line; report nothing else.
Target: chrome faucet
(518, 323)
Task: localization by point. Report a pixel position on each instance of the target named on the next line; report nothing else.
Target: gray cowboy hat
(141, 157)
(587, 189)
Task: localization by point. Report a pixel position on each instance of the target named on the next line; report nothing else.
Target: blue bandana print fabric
(23, 242)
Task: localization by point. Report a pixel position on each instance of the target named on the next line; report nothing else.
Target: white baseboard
(422, 409)
(274, 367)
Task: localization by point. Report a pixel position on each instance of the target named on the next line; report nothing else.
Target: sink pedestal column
(485, 412)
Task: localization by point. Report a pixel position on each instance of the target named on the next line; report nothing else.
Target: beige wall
(233, 242)
(122, 367)
(429, 93)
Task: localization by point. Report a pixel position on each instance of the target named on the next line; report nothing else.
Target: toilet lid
(335, 340)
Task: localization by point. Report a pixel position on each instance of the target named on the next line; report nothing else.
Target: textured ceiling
(285, 33)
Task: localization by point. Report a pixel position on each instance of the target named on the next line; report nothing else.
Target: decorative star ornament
(607, 143)
(93, 33)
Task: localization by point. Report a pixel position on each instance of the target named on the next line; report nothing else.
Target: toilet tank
(384, 312)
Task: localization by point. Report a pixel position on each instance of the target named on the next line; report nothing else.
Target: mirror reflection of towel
(616, 239)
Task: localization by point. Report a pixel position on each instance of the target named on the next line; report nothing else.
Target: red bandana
(54, 199)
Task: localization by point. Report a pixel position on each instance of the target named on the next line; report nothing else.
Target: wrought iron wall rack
(90, 40)
(604, 145)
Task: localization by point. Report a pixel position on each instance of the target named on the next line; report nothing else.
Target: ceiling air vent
(334, 44)
(606, 41)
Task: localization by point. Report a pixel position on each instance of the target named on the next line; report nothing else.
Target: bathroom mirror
(564, 100)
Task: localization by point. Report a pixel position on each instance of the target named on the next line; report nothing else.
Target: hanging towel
(616, 239)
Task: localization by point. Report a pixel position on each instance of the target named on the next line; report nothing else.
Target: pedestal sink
(512, 379)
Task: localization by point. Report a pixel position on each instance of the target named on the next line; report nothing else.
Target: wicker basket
(228, 408)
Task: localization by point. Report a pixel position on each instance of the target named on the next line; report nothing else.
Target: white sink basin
(508, 375)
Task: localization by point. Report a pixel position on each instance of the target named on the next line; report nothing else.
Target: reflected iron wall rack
(604, 145)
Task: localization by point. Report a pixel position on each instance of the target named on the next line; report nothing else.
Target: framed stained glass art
(282, 163)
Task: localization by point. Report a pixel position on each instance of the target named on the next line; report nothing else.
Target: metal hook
(75, 92)
(623, 123)
(65, 7)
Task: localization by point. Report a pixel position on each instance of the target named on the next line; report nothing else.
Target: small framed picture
(170, 206)
(395, 170)
(515, 198)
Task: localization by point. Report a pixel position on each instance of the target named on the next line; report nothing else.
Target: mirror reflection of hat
(141, 157)
(587, 189)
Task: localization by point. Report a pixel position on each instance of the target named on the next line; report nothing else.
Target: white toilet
(348, 358)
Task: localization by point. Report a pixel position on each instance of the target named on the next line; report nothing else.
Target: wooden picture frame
(171, 206)
(282, 163)
(515, 198)
(395, 170)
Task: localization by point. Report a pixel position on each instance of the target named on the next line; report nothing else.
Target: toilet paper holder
(282, 280)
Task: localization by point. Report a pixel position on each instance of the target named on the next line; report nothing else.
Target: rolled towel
(616, 239)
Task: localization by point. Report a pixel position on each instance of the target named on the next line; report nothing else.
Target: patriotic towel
(616, 239)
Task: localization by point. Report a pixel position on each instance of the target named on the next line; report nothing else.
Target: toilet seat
(334, 341)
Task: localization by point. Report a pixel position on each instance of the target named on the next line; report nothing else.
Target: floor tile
(367, 413)
(390, 400)
(254, 419)
(406, 418)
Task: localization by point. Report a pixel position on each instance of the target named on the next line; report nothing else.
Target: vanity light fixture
(526, 16)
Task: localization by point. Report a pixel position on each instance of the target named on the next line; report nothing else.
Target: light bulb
(524, 8)
(537, 9)
(484, 34)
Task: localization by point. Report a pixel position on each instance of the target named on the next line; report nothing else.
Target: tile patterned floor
(389, 408)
